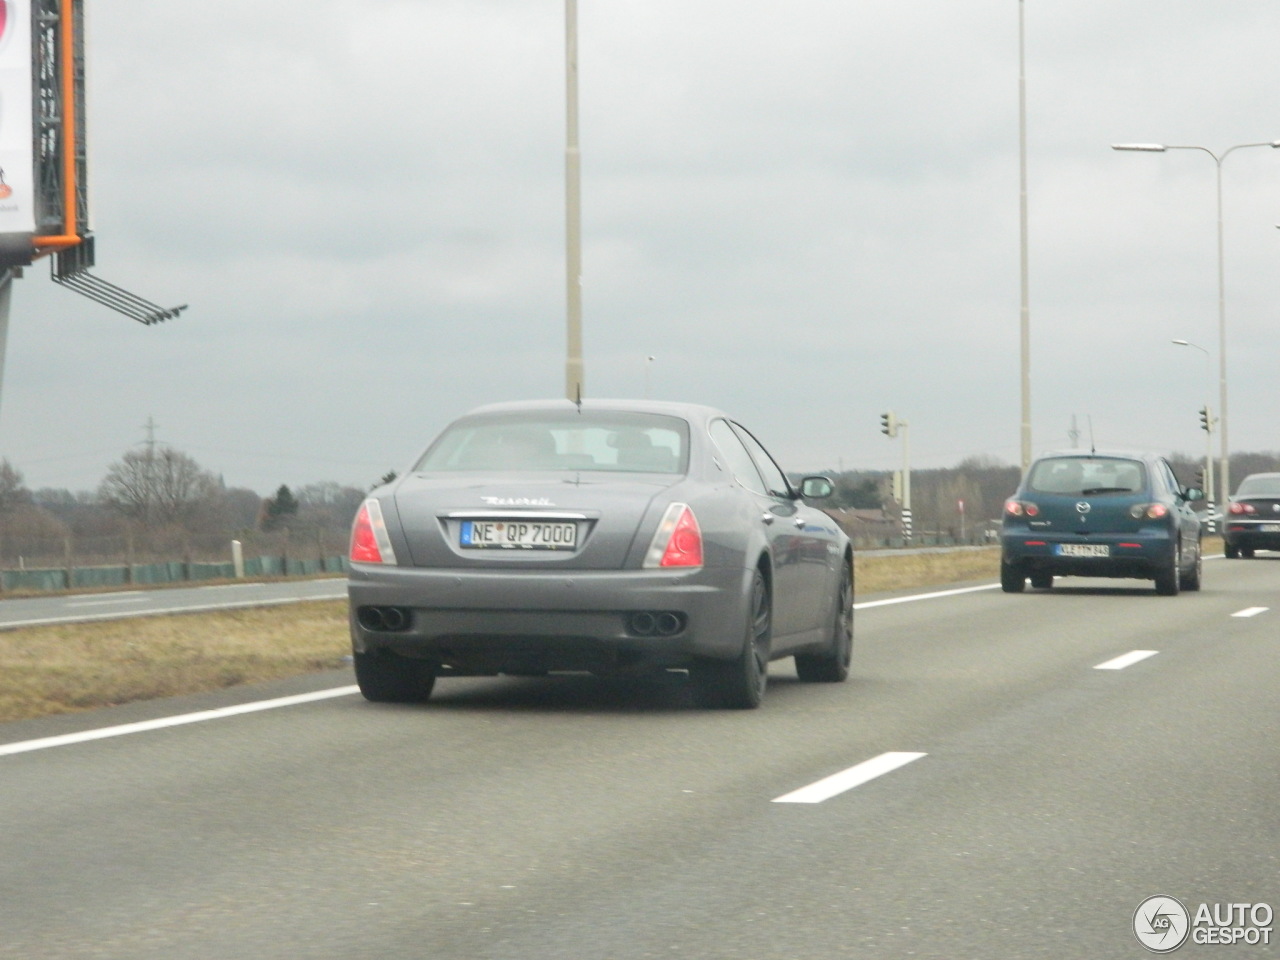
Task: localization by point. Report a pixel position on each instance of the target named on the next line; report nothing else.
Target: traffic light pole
(889, 426)
(1206, 424)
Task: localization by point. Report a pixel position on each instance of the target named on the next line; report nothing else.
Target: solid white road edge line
(25, 746)
(1127, 660)
(1250, 611)
(867, 604)
(838, 783)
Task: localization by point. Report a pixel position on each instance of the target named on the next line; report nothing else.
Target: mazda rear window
(1087, 476)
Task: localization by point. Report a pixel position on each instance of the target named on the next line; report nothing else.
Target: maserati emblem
(1083, 507)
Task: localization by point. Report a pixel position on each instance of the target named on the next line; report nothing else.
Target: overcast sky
(805, 211)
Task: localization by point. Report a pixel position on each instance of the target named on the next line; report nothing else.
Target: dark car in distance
(1252, 519)
(1101, 515)
(615, 537)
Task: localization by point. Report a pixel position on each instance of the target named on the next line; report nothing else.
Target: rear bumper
(1245, 534)
(487, 623)
(1136, 555)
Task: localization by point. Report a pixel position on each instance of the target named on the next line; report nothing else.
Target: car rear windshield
(1259, 487)
(1087, 476)
(591, 440)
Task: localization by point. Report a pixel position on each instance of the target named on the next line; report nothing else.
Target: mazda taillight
(1151, 511)
(677, 541)
(1020, 508)
(369, 540)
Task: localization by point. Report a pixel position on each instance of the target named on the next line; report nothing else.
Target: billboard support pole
(6, 292)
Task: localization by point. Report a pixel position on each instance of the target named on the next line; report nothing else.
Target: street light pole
(573, 208)
(1025, 311)
(1224, 457)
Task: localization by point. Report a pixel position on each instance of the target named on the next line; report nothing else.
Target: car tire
(739, 684)
(384, 677)
(1042, 581)
(1169, 579)
(833, 666)
(1191, 581)
(1246, 552)
(1012, 579)
(1231, 552)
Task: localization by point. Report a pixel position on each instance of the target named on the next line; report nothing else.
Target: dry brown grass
(880, 573)
(68, 667)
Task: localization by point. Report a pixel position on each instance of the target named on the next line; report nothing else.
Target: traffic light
(889, 424)
(1204, 419)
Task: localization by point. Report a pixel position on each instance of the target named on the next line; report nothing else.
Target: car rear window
(1259, 487)
(1087, 476)
(589, 441)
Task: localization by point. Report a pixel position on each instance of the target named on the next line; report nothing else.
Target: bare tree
(159, 485)
(12, 492)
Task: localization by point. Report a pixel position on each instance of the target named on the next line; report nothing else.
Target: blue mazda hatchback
(1101, 515)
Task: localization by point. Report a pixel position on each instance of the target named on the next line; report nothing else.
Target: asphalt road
(115, 605)
(1028, 802)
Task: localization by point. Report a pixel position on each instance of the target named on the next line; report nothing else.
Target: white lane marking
(1250, 611)
(1127, 660)
(838, 783)
(167, 611)
(25, 746)
(867, 604)
(133, 597)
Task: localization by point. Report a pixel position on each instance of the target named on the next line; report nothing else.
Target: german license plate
(518, 534)
(1270, 528)
(1083, 550)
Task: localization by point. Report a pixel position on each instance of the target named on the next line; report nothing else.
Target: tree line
(159, 502)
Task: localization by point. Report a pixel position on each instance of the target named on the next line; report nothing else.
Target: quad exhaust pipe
(384, 619)
(658, 623)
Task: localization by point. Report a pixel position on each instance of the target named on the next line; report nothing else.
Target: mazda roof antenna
(1093, 447)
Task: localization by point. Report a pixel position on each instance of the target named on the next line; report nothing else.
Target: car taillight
(1239, 508)
(369, 540)
(677, 541)
(1018, 508)
(1151, 511)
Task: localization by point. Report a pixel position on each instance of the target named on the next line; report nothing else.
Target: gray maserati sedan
(613, 537)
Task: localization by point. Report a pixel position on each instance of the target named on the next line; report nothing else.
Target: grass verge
(62, 668)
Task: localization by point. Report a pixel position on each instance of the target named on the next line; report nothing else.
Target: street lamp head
(1145, 147)
(1181, 343)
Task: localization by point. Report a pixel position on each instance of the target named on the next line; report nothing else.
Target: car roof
(687, 411)
(1105, 454)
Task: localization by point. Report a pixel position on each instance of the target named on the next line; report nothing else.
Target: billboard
(17, 161)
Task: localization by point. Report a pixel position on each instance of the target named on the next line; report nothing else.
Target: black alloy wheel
(738, 684)
(833, 665)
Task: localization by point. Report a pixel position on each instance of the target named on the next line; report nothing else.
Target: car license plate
(1269, 528)
(1083, 550)
(518, 534)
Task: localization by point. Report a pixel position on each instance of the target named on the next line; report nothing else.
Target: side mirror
(1192, 494)
(816, 488)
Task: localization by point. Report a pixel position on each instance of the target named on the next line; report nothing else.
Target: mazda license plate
(518, 534)
(1083, 550)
